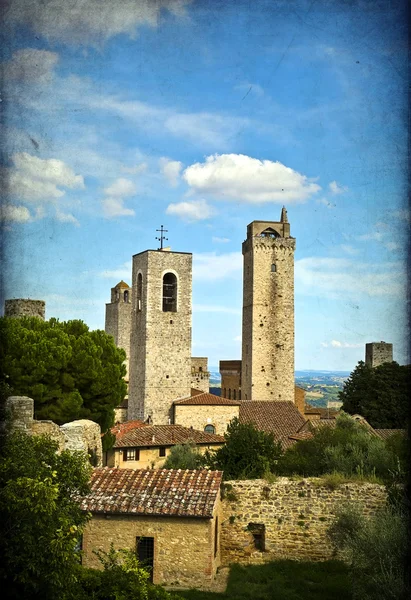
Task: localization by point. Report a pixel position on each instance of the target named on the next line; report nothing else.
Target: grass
(283, 580)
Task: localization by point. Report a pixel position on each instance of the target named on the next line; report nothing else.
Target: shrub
(184, 456)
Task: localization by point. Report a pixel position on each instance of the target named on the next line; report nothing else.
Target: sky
(121, 116)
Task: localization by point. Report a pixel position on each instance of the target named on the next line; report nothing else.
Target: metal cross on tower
(162, 237)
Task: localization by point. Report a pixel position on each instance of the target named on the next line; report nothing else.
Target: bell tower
(268, 311)
(118, 318)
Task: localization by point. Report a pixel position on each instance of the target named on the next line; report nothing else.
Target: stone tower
(268, 311)
(378, 353)
(160, 354)
(21, 307)
(118, 317)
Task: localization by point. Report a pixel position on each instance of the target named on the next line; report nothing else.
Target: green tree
(42, 521)
(381, 394)
(69, 371)
(184, 456)
(247, 454)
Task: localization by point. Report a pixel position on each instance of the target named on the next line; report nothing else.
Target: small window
(169, 293)
(209, 429)
(257, 530)
(139, 291)
(126, 296)
(229, 393)
(162, 451)
(225, 392)
(145, 554)
(200, 369)
(131, 454)
(273, 268)
(234, 394)
(239, 394)
(216, 537)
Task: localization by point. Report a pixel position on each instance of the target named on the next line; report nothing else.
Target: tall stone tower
(268, 311)
(378, 353)
(118, 318)
(160, 353)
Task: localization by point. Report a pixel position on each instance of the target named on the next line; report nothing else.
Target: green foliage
(121, 579)
(69, 371)
(42, 522)
(184, 456)
(380, 394)
(348, 449)
(247, 454)
(376, 549)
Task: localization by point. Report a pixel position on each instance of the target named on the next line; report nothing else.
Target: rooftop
(122, 428)
(142, 435)
(162, 492)
(207, 399)
(282, 419)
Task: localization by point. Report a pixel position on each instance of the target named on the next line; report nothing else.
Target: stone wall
(20, 307)
(118, 319)
(378, 353)
(295, 515)
(160, 355)
(268, 314)
(199, 416)
(299, 399)
(230, 371)
(83, 435)
(200, 375)
(183, 547)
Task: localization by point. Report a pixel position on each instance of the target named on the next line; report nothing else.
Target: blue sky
(203, 116)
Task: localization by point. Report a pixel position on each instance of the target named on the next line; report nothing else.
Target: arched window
(169, 293)
(234, 394)
(126, 296)
(209, 429)
(139, 291)
(273, 268)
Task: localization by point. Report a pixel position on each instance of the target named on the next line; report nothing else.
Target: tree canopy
(247, 454)
(184, 456)
(69, 371)
(42, 521)
(380, 394)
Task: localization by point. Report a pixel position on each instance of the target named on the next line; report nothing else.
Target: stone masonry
(118, 318)
(268, 311)
(160, 353)
(200, 375)
(198, 416)
(378, 353)
(230, 371)
(289, 519)
(20, 307)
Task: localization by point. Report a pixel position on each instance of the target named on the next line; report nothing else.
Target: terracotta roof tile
(208, 399)
(153, 492)
(121, 428)
(282, 419)
(387, 433)
(162, 435)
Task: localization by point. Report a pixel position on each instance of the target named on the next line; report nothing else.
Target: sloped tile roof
(282, 419)
(122, 428)
(163, 492)
(327, 413)
(163, 435)
(208, 399)
(387, 433)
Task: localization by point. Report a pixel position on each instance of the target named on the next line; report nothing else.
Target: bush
(184, 456)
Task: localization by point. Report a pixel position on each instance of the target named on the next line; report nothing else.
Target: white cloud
(216, 309)
(220, 240)
(121, 188)
(136, 170)
(209, 266)
(326, 202)
(242, 178)
(114, 207)
(17, 214)
(89, 22)
(122, 272)
(374, 235)
(392, 246)
(349, 249)
(335, 188)
(27, 188)
(338, 344)
(66, 218)
(343, 277)
(171, 170)
(30, 65)
(196, 210)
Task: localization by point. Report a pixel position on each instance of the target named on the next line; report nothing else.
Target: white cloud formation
(66, 217)
(374, 235)
(209, 266)
(220, 240)
(326, 202)
(335, 188)
(343, 277)
(121, 188)
(338, 344)
(114, 207)
(240, 177)
(16, 214)
(136, 170)
(349, 249)
(30, 65)
(122, 272)
(89, 22)
(171, 170)
(196, 210)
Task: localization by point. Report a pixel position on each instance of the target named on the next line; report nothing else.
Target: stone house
(205, 412)
(142, 446)
(171, 518)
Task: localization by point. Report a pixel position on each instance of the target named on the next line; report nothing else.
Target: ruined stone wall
(200, 375)
(84, 435)
(295, 514)
(183, 547)
(160, 361)
(268, 319)
(25, 308)
(378, 353)
(199, 416)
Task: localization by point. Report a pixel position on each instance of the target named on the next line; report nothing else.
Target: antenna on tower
(162, 237)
